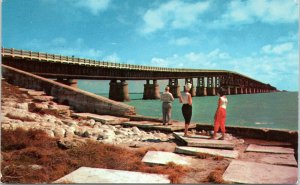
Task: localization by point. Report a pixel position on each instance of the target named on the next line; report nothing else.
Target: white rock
(104, 126)
(21, 115)
(50, 133)
(108, 134)
(6, 127)
(91, 122)
(135, 130)
(108, 141)
(23, 106)
(59, 132)
(121, 132)
(35, 167)
(49, 118)
(112, 127)
(58, 122)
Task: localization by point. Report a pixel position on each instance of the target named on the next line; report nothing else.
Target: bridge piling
(151, 91)
(228, 90)
(211, 91)
(174, 87)
(241, 90)
(118, 91)
(201, 89)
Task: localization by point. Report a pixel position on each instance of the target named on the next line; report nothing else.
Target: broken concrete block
(256, 173)
(160, 157)
(100, 175)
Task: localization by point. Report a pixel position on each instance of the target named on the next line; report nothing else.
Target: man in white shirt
(167, 99)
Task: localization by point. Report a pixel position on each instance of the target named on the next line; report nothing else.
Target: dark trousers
(187, 113)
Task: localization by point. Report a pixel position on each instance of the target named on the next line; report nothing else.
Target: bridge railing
(72, 60)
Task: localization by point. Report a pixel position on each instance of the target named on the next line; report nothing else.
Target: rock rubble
(41, 112)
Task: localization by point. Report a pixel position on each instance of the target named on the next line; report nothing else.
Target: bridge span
(68, 70)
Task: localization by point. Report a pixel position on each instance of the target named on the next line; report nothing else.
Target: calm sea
(268, 110)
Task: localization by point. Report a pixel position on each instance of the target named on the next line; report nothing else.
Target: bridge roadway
(68, 69)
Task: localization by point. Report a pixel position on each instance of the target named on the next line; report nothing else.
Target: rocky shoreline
(35, 110)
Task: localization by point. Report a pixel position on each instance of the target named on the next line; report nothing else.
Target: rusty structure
(68, 70)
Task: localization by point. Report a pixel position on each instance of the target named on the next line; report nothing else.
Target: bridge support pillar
(211, 91)
(201, 89)
(118, 91)
(228, 90)
(174, 87)
(233, 90)
(70, 82)
(151, 91)
(241, 90)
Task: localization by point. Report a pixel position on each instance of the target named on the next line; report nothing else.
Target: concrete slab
(197, 136)
(207, 143)
(215, 152)
(266, 143)
(257, 173)
(280, 159)
(99, 175)
(159, 157)
(269, 149)
(176, 126)
(104, 119)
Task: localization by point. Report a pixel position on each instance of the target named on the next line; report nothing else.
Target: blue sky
(257, 38)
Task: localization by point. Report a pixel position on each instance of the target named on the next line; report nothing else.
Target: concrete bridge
(67, 70)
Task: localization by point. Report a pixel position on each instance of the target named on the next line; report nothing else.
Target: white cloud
(277, 49)
(180, 41)
(217, 53)
(59, 41)
(95, 6)
(174, 14)
(199, 60)
(159, 62)
(280, 71)
(112, 58)
(267, 11)
(61, 46)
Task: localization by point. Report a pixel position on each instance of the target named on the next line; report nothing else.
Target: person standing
(186, 99)
(220, 115)
(167, 99)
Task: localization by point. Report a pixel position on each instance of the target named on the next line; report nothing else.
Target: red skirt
(220, 120)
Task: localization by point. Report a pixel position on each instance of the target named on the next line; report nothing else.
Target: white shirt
(166, 97)
(185, 97)
(224, 102)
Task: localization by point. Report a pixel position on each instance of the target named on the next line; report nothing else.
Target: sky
(256, 38)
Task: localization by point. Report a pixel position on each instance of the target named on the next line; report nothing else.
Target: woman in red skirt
(220, 115)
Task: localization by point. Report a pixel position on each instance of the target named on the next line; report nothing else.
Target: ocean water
(264, 110)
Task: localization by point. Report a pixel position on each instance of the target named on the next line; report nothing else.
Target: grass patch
(216, 176)
(21, 148)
